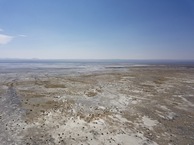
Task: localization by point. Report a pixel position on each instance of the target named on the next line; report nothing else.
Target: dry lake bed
(136, 105)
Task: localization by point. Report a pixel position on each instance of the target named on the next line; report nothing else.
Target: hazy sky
(97, 29)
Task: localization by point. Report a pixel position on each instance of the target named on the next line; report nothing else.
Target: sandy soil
(140, 105)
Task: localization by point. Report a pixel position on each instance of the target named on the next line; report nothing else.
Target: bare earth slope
(130, 106)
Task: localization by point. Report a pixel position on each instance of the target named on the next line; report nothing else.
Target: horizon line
(96, 59)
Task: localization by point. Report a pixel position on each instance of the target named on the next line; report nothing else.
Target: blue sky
(97, 29)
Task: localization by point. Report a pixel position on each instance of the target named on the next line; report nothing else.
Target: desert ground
(139, 105)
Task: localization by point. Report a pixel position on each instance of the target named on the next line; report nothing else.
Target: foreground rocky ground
(121, 106)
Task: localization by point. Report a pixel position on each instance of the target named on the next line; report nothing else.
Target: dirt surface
(131, 106)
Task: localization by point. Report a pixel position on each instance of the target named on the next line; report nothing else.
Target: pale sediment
(140, 105)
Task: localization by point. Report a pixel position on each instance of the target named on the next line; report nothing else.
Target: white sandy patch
(168, 114)
(171, 115)
(189, 81)
(101, 107)
(164, 108)
(135, 101)
(136, 91)
(149, 123)
(121, 101)
(137, 139)
(74, 130)
(124, 100)
(118, 118)
(160, 114)
(186, 101)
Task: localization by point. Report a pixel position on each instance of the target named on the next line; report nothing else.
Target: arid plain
(137, 105)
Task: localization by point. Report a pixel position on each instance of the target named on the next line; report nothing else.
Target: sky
(97, 29)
